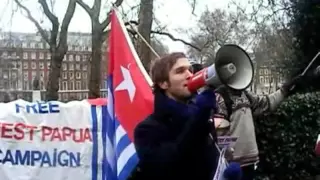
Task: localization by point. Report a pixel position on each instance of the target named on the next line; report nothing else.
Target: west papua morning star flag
(130, 100)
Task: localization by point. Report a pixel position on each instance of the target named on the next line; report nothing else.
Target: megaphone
(233, 68)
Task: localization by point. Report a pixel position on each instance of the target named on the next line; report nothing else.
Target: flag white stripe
(120, 132)
(110, 154)
(126, 154)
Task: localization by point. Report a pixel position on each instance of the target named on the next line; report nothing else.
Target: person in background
(234, 116)
(174, 142)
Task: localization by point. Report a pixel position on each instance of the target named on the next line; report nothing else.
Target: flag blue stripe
(123, 143)
(110, 121)
(111, 175)
(94, 162)
(104, 141)
(129, 167)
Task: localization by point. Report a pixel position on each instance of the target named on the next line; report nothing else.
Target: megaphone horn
(233, 68)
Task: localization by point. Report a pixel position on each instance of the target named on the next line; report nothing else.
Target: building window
(48, 56)
(25, 65)
(41, 55)
(32, 45)
(25, 76)
(261, 79)
(71, 67)
(14, 75)
(84, 67)
(33, 55)
(78, 75)
(48, 65)
(70, 57)
(84, 75)
(77, 58)
(25, 55)
(71, 75)
(64, 75)
(260, 71)
(64, 85)
(41, 65)
(40, 45)
(84, 57)
(78, 85)
(64, 66)
(78, 67)
(267, 80)
(33, 74)
(33, 65)
(71, 87)
(24, 45)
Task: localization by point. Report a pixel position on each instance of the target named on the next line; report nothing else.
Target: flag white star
(127, 83)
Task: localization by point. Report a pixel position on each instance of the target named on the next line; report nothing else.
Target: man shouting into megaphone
(176, 141)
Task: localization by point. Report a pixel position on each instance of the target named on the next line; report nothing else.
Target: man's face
(179, 75)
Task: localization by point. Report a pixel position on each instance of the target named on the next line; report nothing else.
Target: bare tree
(272, 52)
(99, 32)
(216, 28)
(57, 40)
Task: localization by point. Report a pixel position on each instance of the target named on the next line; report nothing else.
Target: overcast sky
(175, 14)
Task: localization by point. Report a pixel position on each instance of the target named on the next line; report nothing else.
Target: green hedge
(287, 138)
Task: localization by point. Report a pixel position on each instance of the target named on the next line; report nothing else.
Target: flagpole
(143, 39)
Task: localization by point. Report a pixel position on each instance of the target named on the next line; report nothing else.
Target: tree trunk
(53, 80)
(95, 67)
(144, 28)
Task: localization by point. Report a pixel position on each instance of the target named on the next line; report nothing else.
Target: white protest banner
(51, 141)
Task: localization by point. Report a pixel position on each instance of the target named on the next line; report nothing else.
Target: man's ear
(164, 85)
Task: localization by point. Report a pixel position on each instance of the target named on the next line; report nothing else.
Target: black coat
(174, 143)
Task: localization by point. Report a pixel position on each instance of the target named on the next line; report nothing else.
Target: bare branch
(85, 7)
(43, 33)
(65, 24)
(176, 39)
(48, 13)
(155, 32)
(193, 5)
(168, 35)
(54, 21)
